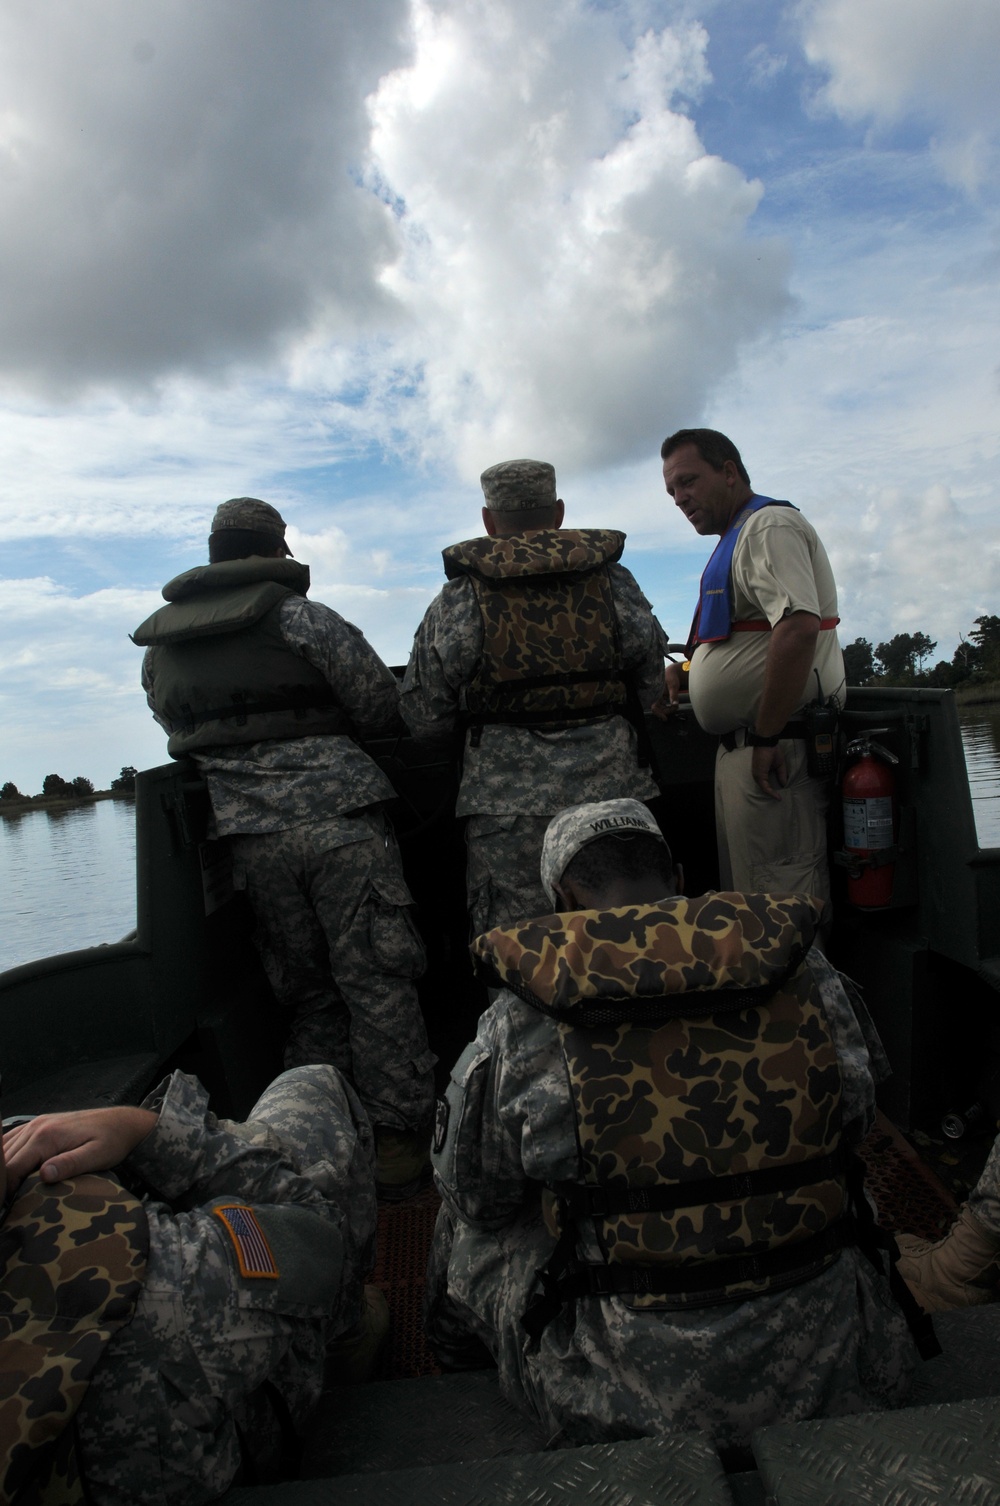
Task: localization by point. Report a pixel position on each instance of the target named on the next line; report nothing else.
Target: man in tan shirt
(763, 645)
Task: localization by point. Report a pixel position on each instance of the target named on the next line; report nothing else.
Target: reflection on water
(67, 878)
(981, 737)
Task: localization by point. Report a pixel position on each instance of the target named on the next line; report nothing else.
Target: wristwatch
(754, 739)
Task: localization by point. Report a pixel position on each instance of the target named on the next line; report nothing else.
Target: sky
(343, 257)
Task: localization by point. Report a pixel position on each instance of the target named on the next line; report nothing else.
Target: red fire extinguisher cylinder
(869, 824)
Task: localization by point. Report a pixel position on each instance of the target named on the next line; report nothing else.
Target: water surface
(981, 738)
(67, 878)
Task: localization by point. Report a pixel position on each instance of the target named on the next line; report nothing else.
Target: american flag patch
(252, 1249)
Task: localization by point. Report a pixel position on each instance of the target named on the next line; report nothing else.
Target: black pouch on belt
(821, 739)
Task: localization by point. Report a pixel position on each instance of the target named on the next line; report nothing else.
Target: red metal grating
(404, 1242)
(908, 1195)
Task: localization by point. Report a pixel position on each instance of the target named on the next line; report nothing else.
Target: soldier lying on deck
(153, 1347)
(644, 1201)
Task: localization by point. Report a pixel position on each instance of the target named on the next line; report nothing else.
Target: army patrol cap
(516, 485)
(250, 513)
(578, 825)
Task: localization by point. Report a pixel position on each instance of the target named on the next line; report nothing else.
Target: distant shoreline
(978, 695)
(58, 802)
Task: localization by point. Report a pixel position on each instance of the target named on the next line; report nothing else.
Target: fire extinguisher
(869, 800)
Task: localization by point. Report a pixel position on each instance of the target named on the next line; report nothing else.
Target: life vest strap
(553, 719)
(565, 1279)
(761, 625)
(474, 720)
(558, 677)
(581, 1201)
(240, 709)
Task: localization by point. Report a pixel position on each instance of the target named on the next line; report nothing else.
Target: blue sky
(345, 257)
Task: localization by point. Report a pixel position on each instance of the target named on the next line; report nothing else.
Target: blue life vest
(713, 618)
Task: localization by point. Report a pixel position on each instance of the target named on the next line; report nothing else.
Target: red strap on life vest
(761, 625)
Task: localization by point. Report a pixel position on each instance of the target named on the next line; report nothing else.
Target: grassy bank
(986, 694)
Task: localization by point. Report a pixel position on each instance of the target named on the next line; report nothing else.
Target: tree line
(901, 661)
(55, 787)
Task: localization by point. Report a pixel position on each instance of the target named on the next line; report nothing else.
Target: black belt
(789, 730)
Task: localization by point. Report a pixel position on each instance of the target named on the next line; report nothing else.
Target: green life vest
(707, 1094)
(72, 1262)
(551, 655)
(222, 672)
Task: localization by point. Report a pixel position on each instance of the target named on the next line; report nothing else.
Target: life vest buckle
(600, 1281)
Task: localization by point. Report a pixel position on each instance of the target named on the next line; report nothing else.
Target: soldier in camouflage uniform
(268, 691)
(642, 1217)
(243, 1260)
(537, 657)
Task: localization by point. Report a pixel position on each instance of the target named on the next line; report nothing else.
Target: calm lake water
(981, 736)
(68, 877)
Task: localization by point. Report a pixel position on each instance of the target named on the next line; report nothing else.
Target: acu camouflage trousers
(984, 1199)
(601, 1371)
(503, 883)
(341, 952)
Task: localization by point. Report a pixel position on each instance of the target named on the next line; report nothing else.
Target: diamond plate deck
(440, 1419)
(922, 1456)
(680, 1470)
(969, 1363)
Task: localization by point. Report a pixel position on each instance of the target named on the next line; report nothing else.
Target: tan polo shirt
(779, 567)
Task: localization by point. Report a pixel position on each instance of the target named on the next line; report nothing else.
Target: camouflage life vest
(223, 674)
(551, 655)
(707, 1093)
(72, 1263)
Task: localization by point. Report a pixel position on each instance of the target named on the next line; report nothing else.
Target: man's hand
(65, 1145)
(767, 765)
(674, 681)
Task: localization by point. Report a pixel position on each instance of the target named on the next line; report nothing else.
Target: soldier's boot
(960, 1270)
(359, 1355)
(402, 1162)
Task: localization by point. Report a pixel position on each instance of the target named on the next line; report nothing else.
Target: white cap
(578, 825)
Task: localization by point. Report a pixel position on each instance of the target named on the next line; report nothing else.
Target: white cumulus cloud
(576, 269)
(889, 59)
(917, 562)
(457, 228)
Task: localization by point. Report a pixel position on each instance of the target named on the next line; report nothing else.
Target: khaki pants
(772, 846)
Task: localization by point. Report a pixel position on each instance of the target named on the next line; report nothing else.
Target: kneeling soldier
(643, 1159)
